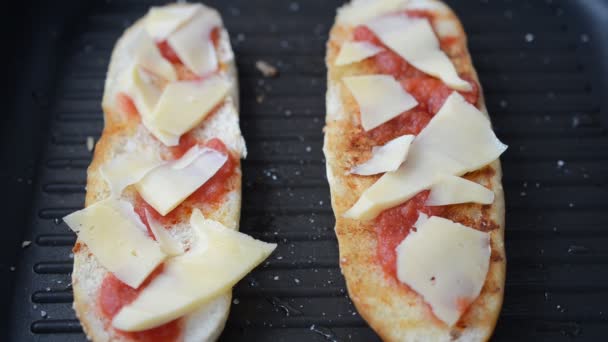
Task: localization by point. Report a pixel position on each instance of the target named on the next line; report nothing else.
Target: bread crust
(119, 130)
(391, 309)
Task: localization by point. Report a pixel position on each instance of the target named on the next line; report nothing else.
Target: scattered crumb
(236, 301)
(296, 280)
(529, 37)
(26, 243)
(43, 313)
(276, 278)
(234, 11)
(575, 121)
(12, 268)
(560, 164)
(90, 143)
(266, 68)
(294, 7)
(259, 98)
(308, 148)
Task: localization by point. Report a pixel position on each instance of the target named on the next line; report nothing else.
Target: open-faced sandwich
(158, 249)
(412, 163)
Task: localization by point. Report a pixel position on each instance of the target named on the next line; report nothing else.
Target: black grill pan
(544, 68)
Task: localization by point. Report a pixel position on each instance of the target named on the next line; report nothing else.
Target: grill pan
(544, 68)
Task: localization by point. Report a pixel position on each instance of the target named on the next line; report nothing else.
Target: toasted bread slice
(394, 311)
(123, 133)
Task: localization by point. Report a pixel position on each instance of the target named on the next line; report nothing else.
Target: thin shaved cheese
(414, 40)
(380, 98)
(117, 238)
(164, 137)
(457, 140)
(145, 91)
(184, 104)
(160, 22)
(143, 87)
(218, 259)
(126, 169)
(385, 158)
(360, 11)
(167, 243)
(446, 263)
(192, 42)
(145, 53)
(352, 52)
(455, 190)
(165, 187)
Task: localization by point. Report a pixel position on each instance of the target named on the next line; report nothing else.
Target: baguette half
(394, 311)
(121, 134)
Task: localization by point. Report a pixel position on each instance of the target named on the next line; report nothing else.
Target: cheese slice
(167, 243)
(414, 40)
(184, 104)
(165, 187)
(126, 169)
(455, 190)
(380, 98)
(164, 137)
(385, 158)
(352, 52)
(457, 140)
(359, 11)
(144, 52)
(192, 42)
(118, 239)
(145, 90)
(218, 259)
(160, 22)
(446, 263)
(143, 87)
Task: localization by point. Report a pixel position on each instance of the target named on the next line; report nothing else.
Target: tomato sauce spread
(114, 295)
(126, 105)
(394, 224)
